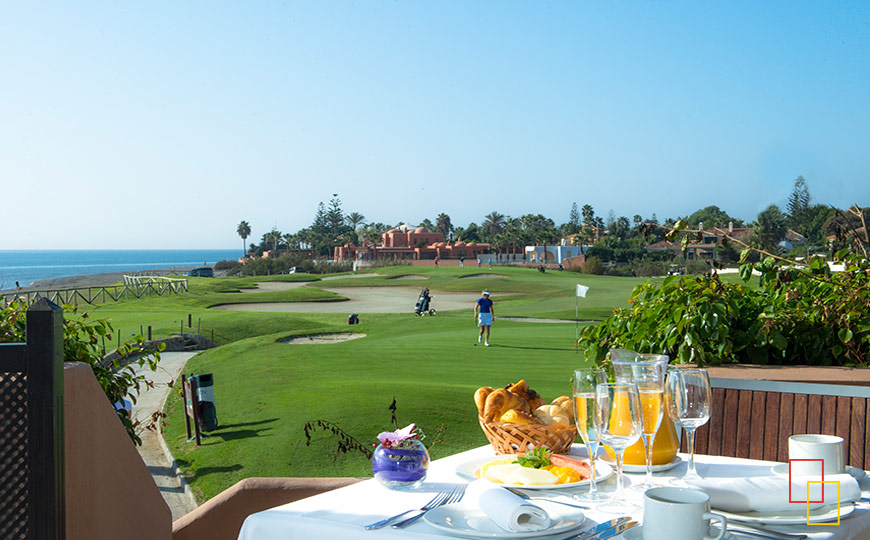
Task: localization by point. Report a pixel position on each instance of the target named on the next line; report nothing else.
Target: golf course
(268, 385)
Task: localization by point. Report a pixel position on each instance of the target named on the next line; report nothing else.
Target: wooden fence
(137, 287)
(31, 429)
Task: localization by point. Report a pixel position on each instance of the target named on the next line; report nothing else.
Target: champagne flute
(585, 381)
(689, 397)
(617, 419)
(648, 373)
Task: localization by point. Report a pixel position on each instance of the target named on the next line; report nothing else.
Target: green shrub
(593, 265)
(226, 265)
(798, 316)
(80, 344)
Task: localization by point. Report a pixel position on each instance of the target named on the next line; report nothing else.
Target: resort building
(402, 242)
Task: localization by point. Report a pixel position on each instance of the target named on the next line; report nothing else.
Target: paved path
(150, 400)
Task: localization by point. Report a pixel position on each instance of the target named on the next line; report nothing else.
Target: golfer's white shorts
(484, 319)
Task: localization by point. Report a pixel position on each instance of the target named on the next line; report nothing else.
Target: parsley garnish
(535, 459)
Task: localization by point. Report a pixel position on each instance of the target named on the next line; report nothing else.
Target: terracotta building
(403, 242)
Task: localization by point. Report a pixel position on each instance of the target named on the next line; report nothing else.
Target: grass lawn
(266, 391)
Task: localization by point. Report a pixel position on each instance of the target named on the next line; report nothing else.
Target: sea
(29, 266)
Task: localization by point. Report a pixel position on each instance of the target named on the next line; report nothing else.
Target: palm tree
(494, 222)
(273, 236)
(443, 225)
(244, 231)
(355, 219)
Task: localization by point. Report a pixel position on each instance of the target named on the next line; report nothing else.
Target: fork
(437, 500)
(455, 496)
(527, 497)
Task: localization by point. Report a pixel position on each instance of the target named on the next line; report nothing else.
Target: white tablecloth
(342, 513)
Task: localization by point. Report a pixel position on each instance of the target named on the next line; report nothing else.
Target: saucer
(636, 533)
(854, 472)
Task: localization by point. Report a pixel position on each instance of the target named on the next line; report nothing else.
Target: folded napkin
(505, 509)
(771, 493)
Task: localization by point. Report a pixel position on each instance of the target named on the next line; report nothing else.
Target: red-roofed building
(403, 242)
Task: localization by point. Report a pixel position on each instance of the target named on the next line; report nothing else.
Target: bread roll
(480, 398)
(551, 415)
(567, 406)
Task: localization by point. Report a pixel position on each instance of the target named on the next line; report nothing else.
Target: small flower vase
(401, 468)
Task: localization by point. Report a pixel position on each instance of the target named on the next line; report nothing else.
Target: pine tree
(574, 219)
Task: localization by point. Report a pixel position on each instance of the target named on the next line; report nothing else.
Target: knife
(606, 526)
(613, 532)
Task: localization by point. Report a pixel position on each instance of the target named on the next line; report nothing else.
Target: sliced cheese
(500, 474)
(532, 477)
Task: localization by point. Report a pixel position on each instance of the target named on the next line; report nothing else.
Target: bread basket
(520, 438)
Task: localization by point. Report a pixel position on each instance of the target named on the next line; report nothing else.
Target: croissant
(521, 388)
(500, 401)
(514, 416)
(480, 398)
(535, 400)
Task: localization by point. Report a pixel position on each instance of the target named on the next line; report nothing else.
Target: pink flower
(395, 438)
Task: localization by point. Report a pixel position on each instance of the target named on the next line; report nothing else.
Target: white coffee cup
(673, 513)
(829, 448)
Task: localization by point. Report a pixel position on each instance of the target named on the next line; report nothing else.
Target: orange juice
(665, 446)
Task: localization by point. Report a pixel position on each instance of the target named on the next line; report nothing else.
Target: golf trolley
(424, 303)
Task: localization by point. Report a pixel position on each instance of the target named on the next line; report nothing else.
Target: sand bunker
(482, 276)
(269, 286)
(408, 276)
(322, 339)
(367, 300)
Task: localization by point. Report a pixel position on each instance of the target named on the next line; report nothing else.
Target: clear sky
(164, 124)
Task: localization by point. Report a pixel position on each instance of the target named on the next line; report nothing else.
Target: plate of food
(536, 469)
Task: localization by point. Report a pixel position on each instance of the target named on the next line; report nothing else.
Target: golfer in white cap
(484, 314)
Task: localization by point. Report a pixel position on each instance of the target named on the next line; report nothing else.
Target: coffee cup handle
(723, 524)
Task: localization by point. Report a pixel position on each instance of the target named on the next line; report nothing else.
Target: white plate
(467, 470)
(824, 514)
(641, 469)
(462, 519)
(636, 533)
(854, 472)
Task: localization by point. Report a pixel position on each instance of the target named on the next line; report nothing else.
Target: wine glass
(618, 422)
(585, 381)
(648, 373)
(688, 398)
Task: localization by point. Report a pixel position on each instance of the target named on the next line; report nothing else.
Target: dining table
(344, 512)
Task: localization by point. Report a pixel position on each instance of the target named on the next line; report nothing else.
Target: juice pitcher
(648, 372)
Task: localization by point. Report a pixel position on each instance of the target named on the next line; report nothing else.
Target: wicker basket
(518, 438)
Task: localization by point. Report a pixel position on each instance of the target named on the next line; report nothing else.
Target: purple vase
(401, 468)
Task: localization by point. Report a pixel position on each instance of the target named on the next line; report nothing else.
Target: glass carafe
(666, 444)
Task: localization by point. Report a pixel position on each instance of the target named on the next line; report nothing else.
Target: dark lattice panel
(13, 456)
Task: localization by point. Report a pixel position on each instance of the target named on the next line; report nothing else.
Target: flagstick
(577, 323)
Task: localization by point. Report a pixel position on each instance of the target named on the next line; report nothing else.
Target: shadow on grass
(533, 348)
(246, 424)
(240, 434)
(194, 475)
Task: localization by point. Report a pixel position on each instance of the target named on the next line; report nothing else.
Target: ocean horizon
(29, 266)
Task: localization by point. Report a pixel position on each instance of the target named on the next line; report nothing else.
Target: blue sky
(164, 124)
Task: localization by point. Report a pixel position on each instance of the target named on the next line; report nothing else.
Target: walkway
(150, 400)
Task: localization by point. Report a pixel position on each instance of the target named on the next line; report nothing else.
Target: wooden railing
(136, 287)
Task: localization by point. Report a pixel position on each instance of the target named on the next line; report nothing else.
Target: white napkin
(770, 493)
(505, 509)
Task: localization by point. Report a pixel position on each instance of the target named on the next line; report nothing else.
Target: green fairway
(266, 390)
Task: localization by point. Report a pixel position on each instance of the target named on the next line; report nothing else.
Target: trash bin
(205, 396)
